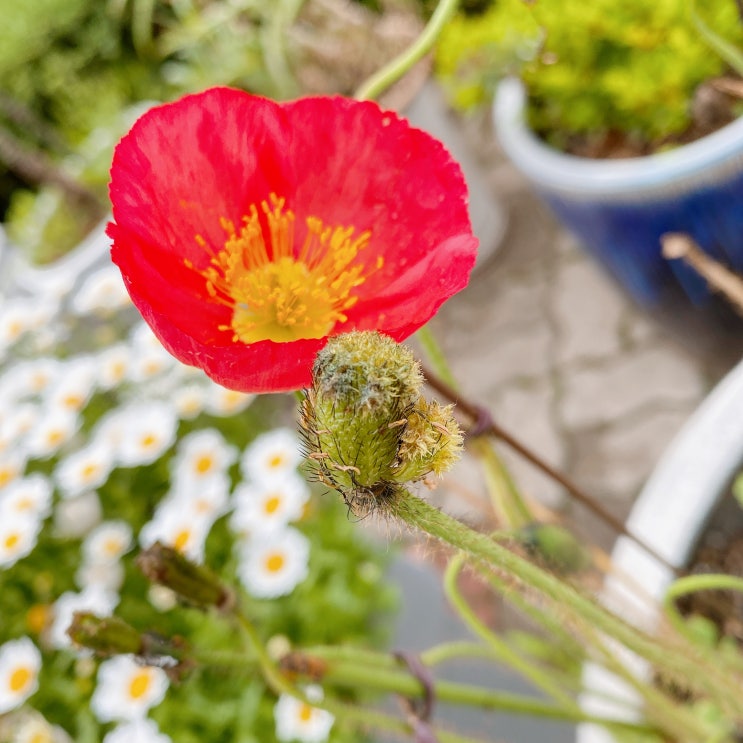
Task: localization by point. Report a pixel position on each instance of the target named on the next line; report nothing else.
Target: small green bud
(556, 546)
(104, 635)
(366, 427)
(195, 584)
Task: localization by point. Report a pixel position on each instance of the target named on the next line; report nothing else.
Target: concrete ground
(565, 361)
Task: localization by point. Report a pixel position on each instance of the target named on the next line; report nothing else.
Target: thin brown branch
(36, 167)
(680, 246)
(484, 424)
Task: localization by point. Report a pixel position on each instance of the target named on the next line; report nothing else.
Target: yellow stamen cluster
(276, 291)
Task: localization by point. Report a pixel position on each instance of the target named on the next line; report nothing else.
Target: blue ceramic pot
(620, 208)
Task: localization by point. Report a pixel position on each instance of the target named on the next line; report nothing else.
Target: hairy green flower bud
(366, 427)
(104, 635)
(194, 584)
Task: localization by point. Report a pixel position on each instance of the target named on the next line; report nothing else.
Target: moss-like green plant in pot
(615, 114)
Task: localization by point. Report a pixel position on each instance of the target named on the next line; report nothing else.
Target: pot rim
(717, 156)
(693, 472)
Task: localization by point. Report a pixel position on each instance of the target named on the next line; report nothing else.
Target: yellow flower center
(54, 437)
(305, 713)
(272, 504)
(148, 441)
(112, 546)
(12, 540)
(140, 683)
(276, 461)
(89, 471)
(7, 474)
(182, 539)
(204, 463)
(20, 678)
(277, 292)
(274, 562)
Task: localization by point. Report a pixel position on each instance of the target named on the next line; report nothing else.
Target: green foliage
(589, 67)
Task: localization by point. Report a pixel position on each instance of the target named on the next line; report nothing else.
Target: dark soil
(715, 104)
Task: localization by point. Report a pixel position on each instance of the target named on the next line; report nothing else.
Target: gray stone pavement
(566, 362)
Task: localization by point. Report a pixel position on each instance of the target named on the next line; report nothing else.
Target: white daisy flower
(273, 454)
(93, 598)
(34, 728)
(142, 730)
(74, 517)
(30, 495)
(84, 470)
(201, 455)
(19, 533)
(149, 430)
(52, 431)
(28, 378)
(108, 542)
(20, 663)
(15, 321)
(102, 293)
(222, 402)
(209, 499)
(127, 690)
(12, 466)
(190, 400)
(178, 527)
(113, 364)
(268, 505)
(149, 358)
(274, 564)
(299, 721)
(18, 422)
(75, 386)
(105, 576)
(110, 429)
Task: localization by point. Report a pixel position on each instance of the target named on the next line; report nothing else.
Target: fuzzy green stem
(394, 70)
(497, 645)
(380, 676)
(681, 662)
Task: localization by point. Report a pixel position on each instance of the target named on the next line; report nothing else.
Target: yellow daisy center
(204, 464)
(182, 539)
(280, 293)
(20, 678)
(305, 713)
(149, 440)
(12, 540)
(275, 562)
(140, 684)
(272, 504)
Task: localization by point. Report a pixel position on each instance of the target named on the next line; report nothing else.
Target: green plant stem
(394, 70)
(351, 672)
(683, 663)
(497, 645)
(273, 44)
(435, 355)
(692, 584)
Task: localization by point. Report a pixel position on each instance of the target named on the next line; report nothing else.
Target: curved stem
(497, 645)
(394, 70)
(683, 662)
(475, 412)
(692, 584)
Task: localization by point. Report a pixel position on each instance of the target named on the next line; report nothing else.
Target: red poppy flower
(248, 231)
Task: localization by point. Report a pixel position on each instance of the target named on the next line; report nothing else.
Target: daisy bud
(366, 427)
(193, 583)
(104, 635)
